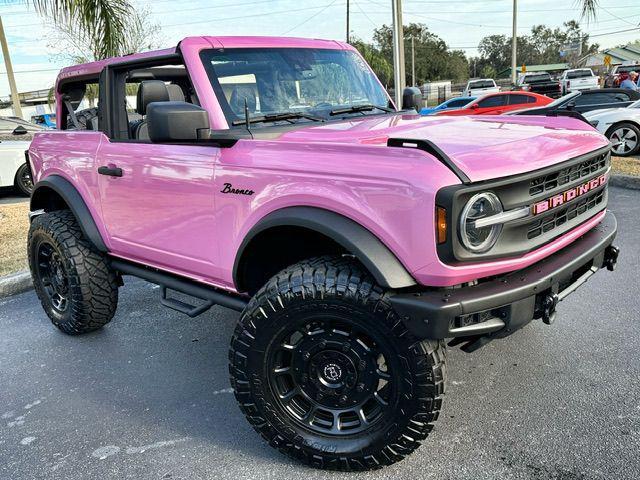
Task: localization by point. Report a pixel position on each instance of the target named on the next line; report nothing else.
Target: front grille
(569, 174)
(562, 216)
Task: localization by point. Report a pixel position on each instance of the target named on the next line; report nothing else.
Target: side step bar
(210, 295)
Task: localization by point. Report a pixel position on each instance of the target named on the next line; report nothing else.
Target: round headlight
(479, 239)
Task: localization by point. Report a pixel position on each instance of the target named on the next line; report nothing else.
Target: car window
(542, 77)
(482, 84)
(458, 102)
(601, 97)
(493, 101)
(579, 74)
(517, 99)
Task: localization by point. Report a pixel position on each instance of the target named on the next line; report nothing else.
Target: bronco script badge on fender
(568, 195)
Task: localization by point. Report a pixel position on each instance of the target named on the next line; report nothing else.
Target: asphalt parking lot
(8, 195)
(148, 396)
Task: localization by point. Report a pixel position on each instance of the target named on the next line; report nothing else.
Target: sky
(461, 23)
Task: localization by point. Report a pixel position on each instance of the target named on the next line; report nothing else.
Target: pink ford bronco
(274, 176)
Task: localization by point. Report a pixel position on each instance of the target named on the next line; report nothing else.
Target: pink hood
(483, 147)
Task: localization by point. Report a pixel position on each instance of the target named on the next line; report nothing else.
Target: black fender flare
(381, 262)
(65, 189)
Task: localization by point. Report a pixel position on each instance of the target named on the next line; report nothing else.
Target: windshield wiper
(359, 108)
(276, 117)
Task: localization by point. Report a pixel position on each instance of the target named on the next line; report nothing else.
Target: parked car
(541, 83)
(587, 101)
(14, 171)
(452, 103)
(354, 238)
(621, 126)
(612, 79)
(499, 103)
(479, 87)
(578, 79)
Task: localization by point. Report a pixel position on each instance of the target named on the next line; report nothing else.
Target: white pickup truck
(480, 86)
(578, 79)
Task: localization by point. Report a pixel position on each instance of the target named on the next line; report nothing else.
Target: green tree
(377, 60)
(433, 59)
(104, 20)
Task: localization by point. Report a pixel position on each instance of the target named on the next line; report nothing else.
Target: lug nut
(362, 365)
(346, 347)
(343, 399)
(306, 355)
(360, 387)
(319, 396)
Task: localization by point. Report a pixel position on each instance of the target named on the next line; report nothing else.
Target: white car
(480, 86)
(621, 126)
(578, 79)
(14, 171)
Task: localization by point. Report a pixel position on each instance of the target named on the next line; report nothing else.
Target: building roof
(628, 53)
(549, 67)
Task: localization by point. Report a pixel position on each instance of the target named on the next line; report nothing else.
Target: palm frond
(103, 19)
(588, 9)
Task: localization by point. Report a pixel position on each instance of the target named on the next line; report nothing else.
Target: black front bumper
(500, 306)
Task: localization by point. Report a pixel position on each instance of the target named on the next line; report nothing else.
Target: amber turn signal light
(441, 224)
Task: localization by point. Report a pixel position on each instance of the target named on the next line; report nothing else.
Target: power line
(310, 18)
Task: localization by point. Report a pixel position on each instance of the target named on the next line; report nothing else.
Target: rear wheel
(327, 373)
(625, 139)
(23, 181)
(74, 282)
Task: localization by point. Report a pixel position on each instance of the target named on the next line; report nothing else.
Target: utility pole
(413, 61)
(15, 98)
(398, 52)
(514, 42)
(347, 21)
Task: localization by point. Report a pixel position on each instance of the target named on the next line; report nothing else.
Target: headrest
(175, 93)
(239, 94)
(150, 91)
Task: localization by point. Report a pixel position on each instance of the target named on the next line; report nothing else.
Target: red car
(497, 103)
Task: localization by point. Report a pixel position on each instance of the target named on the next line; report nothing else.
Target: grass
(14, 225)
(626, 166)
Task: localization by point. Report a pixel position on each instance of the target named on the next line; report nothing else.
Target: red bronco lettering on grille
(568, 195)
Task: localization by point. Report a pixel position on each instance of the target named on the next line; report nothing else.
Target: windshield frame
(232, 116)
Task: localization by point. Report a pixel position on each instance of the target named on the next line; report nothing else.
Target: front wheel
(625, 139)
(75, 283)
(327, 373)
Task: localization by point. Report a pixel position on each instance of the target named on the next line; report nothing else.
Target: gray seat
(175, 93)
(149, 91)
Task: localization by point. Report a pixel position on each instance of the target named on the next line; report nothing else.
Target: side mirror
(177, 121)
(19, 130)
(475, 106)
(411, 98)
(571, 105)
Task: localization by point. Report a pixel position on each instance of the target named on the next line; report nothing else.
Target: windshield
(304, 81)
(579, 74)
(562, 100)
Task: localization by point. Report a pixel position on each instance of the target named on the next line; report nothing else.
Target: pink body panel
(167, 209)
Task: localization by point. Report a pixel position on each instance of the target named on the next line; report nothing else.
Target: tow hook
(611, 257)
(549, 308)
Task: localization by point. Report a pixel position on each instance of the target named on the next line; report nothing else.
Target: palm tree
(101, 19)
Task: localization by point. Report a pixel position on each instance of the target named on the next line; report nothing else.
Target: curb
(625, 181)
(15, 283)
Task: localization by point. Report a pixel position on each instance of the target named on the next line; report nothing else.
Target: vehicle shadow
(153, 369)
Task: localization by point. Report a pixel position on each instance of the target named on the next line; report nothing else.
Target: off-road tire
(335, 286)
(23, 182)
(91, 284)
